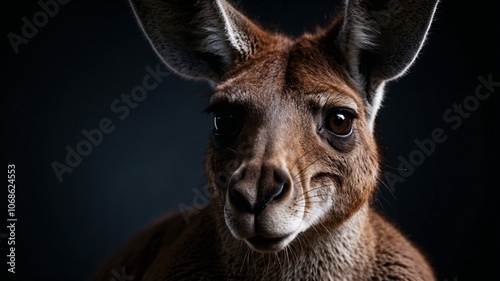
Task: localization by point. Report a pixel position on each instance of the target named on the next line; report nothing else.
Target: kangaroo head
(293, 148)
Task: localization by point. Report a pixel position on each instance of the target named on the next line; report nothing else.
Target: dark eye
(227, 128)
(339, 122)
(227, 124)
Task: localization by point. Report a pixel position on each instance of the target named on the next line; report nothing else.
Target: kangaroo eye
(339, 122)
(227, 124)
(227, 127)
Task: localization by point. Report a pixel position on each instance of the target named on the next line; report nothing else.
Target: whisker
(300, 157)
(307, 167)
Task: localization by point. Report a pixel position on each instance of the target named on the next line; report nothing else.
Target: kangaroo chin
(293, 162)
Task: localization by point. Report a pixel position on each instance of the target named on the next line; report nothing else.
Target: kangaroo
(293, 162)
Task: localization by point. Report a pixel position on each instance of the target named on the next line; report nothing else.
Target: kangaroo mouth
(264, 244)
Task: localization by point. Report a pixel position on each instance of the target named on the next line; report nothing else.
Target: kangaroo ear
(380, 39)
(198, 39)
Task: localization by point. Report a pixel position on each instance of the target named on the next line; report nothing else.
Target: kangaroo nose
(272, 193)
(271, 186)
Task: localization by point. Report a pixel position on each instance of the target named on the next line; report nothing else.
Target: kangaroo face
(291, 147)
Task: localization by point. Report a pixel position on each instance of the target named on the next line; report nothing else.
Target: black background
(66, 77)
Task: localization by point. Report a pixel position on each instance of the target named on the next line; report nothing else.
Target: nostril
(279, 177)
(243, 194)
(239, 200)
(281, 185)
(273, 193)
(276, 192)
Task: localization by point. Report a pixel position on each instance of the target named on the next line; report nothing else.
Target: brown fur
(286, 87)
